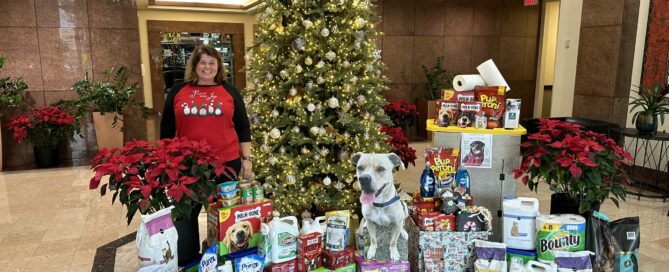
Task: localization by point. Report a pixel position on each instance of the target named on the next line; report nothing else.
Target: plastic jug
(306, 226)
(265, 246)
(534, 266)
(520, 216)
(319, 224)
(283, 238)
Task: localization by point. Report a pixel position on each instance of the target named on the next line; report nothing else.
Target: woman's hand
(247, 170)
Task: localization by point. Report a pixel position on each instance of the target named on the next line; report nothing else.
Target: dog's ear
(248, 225)
(356, 157)
(397, 162)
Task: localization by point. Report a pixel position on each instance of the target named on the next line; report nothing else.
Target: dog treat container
(227, 186)
(559, 232)
(520, 217)
(229, 202)
(228, 195)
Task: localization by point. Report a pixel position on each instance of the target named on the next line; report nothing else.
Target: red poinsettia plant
(400, 144)
(401, 113)
(586, 165)
(148, 177)
(44, 127)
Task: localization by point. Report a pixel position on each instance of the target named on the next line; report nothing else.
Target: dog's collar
(387, 203)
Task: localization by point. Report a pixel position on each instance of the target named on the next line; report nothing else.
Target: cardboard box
(338, 259)
(375, 266)
(289, 266)
(309, 251)
(237, 228)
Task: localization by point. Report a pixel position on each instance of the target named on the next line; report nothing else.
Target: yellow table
(495, 131)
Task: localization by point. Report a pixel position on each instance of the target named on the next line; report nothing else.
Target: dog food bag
(596, 241)
(444, 163)
(493, 101)
(467, 114)
(446, 113)
(209, 260)
(337, 230)
(156, 240)
(490, 256)
(573, 261)
(512, 113)
(444, 222)
(624, 235)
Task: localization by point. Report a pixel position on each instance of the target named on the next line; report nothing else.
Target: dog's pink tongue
(367, 198)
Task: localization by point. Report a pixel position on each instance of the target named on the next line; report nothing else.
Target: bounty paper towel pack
(559, 232)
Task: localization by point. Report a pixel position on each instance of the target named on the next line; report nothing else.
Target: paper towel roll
(463, 83)
(491, 74)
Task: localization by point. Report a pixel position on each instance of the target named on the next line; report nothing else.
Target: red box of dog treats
(309, 251)
(426, 220)
(337, 259)
(444, 222)
(238, 227)
(289, 266)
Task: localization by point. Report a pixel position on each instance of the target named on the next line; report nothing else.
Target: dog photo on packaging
(383, 212)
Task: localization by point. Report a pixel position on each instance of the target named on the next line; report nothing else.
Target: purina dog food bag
(337, 230)
(468, 112)
(156, 241)
(446, 113)
(493, 101)
(444, 163)
(573, 261)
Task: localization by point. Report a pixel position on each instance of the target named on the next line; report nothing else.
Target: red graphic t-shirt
(207, 112)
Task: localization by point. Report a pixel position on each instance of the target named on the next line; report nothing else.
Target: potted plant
(11, 96)
(582, 168)
(438, 79)
(148, 177)
(45, 128)
(653, 102)
(401, 113)
(107, 101)
(399, 145)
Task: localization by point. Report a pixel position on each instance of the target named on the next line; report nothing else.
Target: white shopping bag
(157, 241)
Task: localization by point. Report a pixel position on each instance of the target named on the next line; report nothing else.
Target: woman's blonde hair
(191, 75)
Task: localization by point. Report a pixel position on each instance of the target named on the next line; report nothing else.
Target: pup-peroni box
(237, 228)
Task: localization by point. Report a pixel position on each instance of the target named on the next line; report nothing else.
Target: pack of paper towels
(488, 75)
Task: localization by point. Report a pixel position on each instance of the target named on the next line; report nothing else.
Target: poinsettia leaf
(615, 201)
(132, 209)
(103, 190)
(114, 196)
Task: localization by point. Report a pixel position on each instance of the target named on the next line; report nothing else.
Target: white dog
(380, 203)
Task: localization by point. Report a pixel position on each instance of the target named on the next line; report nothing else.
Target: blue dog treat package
(427, 182)
(209, 260)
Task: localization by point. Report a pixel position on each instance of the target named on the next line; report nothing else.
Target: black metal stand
(650, 167)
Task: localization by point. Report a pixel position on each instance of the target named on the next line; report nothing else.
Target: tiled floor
(50, 221)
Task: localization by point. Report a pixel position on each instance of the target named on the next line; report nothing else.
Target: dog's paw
(394, 255)
(404, 234)
(371, 253)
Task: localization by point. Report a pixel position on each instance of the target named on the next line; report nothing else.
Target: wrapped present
(442, 250)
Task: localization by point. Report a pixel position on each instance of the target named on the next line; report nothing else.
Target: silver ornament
(357, 44)
(310, 85)
(296, 129)
(308, 61)
(298, 44)
(307, 23)
(320, 64)
(264, 148)
(319, 106)
(292, 91)
(354, 79)
(327, 181)
(272, 160)
(362, 99)
(335, 29)
(282, 150)
(345, 106)
(305, 150)
(298, 69)
(322, 131)
(269, 76)
(339, 186)
(283, 74)
(344, 118)
(366, 136)
(333, 102)
(275, 133)
(317, 157)
(359, 23)
(366, 115)
(347, 135)
(376, 54)
(325, 32)
(290, 179)
(325, 151)
(346, 64)
(320, 80)
(314, 130)
(369, 67)
(330, 55)
(311, 107)
(275, 113)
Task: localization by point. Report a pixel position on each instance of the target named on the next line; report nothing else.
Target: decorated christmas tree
(314, 100)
